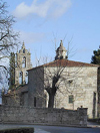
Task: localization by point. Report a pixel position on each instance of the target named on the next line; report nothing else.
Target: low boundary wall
(43, 116)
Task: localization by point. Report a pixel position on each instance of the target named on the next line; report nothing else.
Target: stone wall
(43, 116)
(83, 87)
(22, 57)
(36, 87)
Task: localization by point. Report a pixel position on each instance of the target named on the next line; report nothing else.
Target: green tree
(12, 71)
(96, 57)
(96, 60)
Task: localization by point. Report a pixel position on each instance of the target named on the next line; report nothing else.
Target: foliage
(96, 57)
(12, 70)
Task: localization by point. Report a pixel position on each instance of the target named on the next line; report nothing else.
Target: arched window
(26, 77)
(23, 50)
(21, 77)
(24, 62)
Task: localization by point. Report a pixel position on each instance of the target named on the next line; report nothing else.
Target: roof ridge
(66, 62)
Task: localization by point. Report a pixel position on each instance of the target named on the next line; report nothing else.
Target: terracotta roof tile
(21, 89)
(69, 63)
(64, 62)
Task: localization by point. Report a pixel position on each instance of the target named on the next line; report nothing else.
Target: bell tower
(22, 64)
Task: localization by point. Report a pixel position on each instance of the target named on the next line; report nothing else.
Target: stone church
(19, 91)
(78, 84)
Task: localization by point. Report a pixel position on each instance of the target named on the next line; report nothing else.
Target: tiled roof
(64, 63)
(69, 63)
(21, 89)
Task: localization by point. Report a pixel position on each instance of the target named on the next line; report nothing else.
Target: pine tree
(12, 70)
(96, 57)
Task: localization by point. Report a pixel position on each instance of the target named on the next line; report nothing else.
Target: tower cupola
(61, 52)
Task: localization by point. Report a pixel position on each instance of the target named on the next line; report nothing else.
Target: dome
(61, 47)
(61, 52)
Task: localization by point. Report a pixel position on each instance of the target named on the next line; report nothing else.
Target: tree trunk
(51, 101)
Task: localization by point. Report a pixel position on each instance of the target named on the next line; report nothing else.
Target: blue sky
(41, 22)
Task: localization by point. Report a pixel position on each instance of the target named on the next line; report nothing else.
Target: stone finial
(23, 46)
(61, 43)
(61, 52)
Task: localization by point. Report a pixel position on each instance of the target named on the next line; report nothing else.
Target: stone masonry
(81, 83)
(79, 87)
(23, 63)
(43, 116)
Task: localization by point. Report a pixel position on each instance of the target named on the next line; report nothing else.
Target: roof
(21, 89)
(64, 63)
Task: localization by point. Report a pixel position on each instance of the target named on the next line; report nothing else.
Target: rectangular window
(6, 102)
(34, 101)
(71, 99)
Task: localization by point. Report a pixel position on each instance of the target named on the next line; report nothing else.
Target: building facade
(23, 63)
(78, 84)
(18, 87)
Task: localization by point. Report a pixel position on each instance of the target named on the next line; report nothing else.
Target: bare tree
(52, 82)
(8, 38)
(56, 76)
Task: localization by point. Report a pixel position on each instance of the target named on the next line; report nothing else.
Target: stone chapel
(78, 86)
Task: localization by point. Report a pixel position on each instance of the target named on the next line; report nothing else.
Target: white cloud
(30, 37)
(51, 8)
